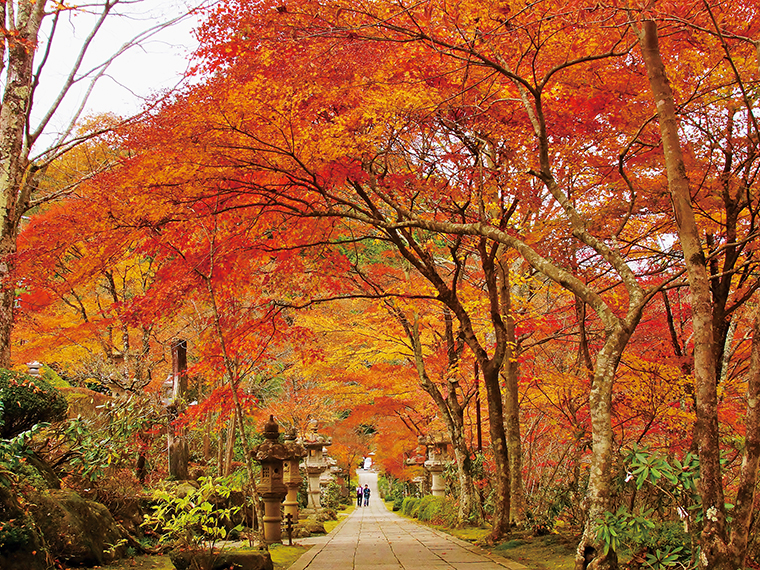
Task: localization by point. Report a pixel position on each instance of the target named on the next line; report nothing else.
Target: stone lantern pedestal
(436, 462)
(292, 474)
(316, 462)
(271, 454)
(437, 487)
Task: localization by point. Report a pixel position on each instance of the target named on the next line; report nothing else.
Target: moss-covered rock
(77, 531)
(25, 401)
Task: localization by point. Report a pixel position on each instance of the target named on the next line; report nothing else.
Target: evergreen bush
(423, 505)
(407, 506)
(26, 401)
(438, 510)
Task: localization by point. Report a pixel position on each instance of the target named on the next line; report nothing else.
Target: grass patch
(511, 544)
(550, 552)
(330, 525)
(284, 556)
(468, 533)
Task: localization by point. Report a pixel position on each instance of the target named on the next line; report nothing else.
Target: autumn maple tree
(36, 97)
(466, 157)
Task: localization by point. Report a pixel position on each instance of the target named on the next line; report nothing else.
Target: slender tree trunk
(713, 540)
(744, 510)
(220, 452)
(207, 437)
(452, 412)
(510, 370)
(229, 447)
(178, 448)
(499, 448)
(590, 552)
(7, 294)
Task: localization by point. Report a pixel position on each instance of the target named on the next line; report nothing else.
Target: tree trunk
(510, 370)
(470, 508)
(743, 513)
(15, 172)
(713, 540)
(229, 448)
(7, 295)
(220, 452)
(178, 449)
(452, 413)
(500, 450)
(590, 552)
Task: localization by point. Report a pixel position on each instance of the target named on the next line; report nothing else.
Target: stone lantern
(292, 474)
(270, 454)
(437, 451)
(421, 484)
(316, 462)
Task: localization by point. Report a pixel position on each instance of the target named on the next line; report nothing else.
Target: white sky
(156, 65)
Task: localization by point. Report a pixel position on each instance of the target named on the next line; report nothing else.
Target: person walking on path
(359, 495)
(366, 495)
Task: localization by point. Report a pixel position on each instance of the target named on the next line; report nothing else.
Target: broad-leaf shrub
(669, 484)
(194, 521)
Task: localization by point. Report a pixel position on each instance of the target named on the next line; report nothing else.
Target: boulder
(299, 531)
(313, 526)
(324, 515)
(78, 532)
(240, 560)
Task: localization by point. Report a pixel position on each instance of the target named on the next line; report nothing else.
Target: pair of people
(362, 493)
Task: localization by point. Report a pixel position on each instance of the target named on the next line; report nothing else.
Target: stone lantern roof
(271, 448)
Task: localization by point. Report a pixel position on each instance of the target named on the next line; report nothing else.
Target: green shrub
(422, 506)
(398, 503)
(332, 496)
(408, 505)
(26, 401)
(438, 510)
(416, 508)
(194, 522)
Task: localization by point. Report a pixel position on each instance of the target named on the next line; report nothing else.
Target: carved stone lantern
(437, 451)
(316, 462)
(292, 474)
(271, 454)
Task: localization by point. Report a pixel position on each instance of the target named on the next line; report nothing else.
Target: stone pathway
(374, 538)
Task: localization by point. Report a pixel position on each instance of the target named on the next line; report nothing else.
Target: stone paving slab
(374, 538)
